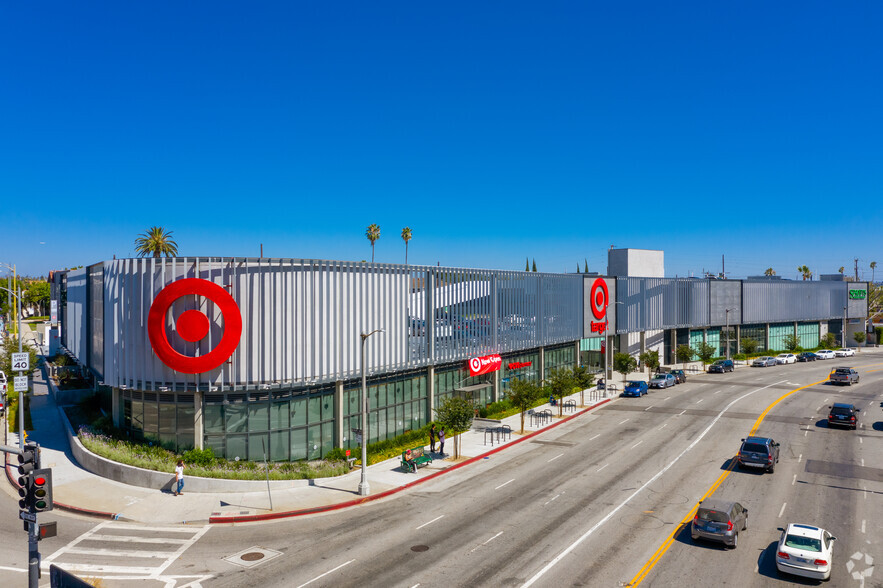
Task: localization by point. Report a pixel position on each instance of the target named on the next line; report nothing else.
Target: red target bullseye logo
(475, 364)
(193, 325)
(599, 298)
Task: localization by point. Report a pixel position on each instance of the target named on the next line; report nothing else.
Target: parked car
(806, 356)
(843, 415)
(784, 358)
(825, 354)
(844, 352)
(721, 366)
(680, 376)
(719, 520)
(844, 375)
(636, 388)
(758, 452)
(805, 550)
(662, 381)
(764, 361)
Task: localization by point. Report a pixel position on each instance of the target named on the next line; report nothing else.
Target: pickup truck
(844, 375)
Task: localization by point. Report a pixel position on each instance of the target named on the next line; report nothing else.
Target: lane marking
(794, 480)
(859, 439)
(326, 573)
(863, 462)
(669, 398)
(648, 408)
(486, 542)
(682, 412)
(551, 499)
(863, 525)
(622, 505)
(625, 421)
(504, 483)
(602, 467)
(595, 437)
(554, 458)
(717, 391)
(429, 523)
(799, 458)
(663, 426)
(781, 512)
(636, 444)
(700, 400)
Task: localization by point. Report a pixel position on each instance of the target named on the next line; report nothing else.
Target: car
(824, 354)
(844, 352)
(844, 375)
(636, 388)
(843, 415)
(806, 356)
(764, 361)
(680, 376)
(721, 366)
(805, 550)
(719, 520)
(784, 358)
(662, 381)
(758, 452)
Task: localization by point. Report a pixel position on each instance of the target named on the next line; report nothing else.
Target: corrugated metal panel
(660, 303)
(767, 301)
(75, 330)
(723, 295)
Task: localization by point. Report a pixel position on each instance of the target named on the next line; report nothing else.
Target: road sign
(21, 362)
(26, 516)
(20, 383)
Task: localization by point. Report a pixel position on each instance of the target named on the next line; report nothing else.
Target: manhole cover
(252, 556)
(419, 548)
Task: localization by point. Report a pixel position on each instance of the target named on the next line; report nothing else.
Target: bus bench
(418, 458)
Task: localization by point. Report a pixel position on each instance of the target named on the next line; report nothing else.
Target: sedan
(784, 358)
(636, 388)
(807, 356)
(662, 381)
(825, 354)
(764, 361)
(805, 550)
(844, 352)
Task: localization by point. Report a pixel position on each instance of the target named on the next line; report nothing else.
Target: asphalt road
(588, 503)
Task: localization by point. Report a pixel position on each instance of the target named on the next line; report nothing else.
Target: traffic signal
(41, 490)
(28, 462)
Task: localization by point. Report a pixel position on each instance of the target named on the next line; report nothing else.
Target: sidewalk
(77, 490)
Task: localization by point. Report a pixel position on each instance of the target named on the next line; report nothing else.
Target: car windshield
(633, 383)
(839, 410)
(754, 448)
(805, 543)
(715, 516)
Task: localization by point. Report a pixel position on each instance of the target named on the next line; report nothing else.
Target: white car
(786, 358)
(825, 354)
(805, 550)
(844, 352)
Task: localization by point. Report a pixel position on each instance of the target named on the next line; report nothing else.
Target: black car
(843, 415)
(807, 356)
(759, 452)
(721, 366)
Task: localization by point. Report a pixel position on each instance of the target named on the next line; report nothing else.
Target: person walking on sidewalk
(441, 441)
(432, 438)
(179, 477)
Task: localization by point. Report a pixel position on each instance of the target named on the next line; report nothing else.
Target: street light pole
(364, 489)
(843, 329)
(728, 333)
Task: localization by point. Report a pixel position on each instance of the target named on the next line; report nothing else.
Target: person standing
(441, 441)
(179, 477)
(432, 438)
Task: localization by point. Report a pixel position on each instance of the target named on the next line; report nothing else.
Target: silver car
(663, 381)
(719, 520)
(763, 361)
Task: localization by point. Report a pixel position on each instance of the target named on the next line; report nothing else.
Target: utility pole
(856, 269)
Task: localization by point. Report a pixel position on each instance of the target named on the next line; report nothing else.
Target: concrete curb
(384, 494)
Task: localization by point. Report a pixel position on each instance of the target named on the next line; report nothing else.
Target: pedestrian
(441, 441)
(432, 438)
(179, 477)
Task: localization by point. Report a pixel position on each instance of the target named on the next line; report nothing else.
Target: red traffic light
(40, 480)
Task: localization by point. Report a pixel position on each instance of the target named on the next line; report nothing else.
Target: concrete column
(338, 414)
(430, 393)
(542, 366)
(738, 339)
(198, 421)
(576, 360)
(674, 347)
(495, 391)
(766, 335)
(705, 335)
(643, 336)
(115, 406)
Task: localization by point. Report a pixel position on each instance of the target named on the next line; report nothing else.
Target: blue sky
(496, 132)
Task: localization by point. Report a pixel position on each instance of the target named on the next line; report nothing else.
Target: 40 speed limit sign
(21, 362)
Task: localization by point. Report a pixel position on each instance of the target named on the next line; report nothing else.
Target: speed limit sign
(21, 362)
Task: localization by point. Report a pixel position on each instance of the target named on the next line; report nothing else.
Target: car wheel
(772, 469)
(745, 524)
(735, 541)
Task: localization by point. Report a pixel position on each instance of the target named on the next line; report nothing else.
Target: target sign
(600, 298)
(193, 325)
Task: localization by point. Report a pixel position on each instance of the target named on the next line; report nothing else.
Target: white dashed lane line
(625, 421)
(781, 512)
(504, 484)
(429, 523)
(556, 457)
(636, 444)
(602, 467)
(595, 437)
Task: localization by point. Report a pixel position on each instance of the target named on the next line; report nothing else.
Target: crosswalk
(122, 551)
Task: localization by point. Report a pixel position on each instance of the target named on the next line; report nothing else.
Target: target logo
(484, 365)
(475, 365)
(193, 325)
(599, 298)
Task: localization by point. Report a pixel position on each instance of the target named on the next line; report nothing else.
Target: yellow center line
(657, 555)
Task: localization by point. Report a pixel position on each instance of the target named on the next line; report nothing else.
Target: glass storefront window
(237, 446)
(258, 416)
(237, 420)
(214, 418)
(299, 411)
(279, 416)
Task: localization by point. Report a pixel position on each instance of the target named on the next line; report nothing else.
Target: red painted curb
(384, 494)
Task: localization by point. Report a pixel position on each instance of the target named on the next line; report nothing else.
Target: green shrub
(740, 356)
(336, 454)
(199, 457)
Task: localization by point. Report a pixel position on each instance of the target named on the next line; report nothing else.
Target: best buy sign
(857, 294)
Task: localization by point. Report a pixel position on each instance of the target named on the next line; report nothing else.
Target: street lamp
(363, 484)
(728, 333)
(843, 329)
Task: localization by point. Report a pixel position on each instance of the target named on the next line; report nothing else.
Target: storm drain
(252, 556)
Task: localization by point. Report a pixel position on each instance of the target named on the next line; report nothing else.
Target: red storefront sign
(519, 364)
(599, 298)
(484, 365)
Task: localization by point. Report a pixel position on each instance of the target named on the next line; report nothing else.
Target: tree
(829, 341)
(769, 272)
(373, 233)
(587, 266)
(792, 342)
(804, 271)
(455, 417)
(624, 364)
(749, 345)
(873, 267)
(406, 236)
(526, 264)
(583, 379)
(534, 265)
(684, 353)
(705, 351)
(560, 384)
(37, 295)
(577, 268)
(10, 346)
(650, 359)
(156, 242)
(859, 337)
(523, 395)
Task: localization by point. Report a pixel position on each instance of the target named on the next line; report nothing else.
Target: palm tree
(156, 242)
(373, 233)
(769, 272)
(804, 270)
(406, 236)
(873, 267)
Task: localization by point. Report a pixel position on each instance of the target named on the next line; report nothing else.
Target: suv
(843, 415)
(719, 520)
(759, 452)
(680, 376)
(844, 375)
(721, 366)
